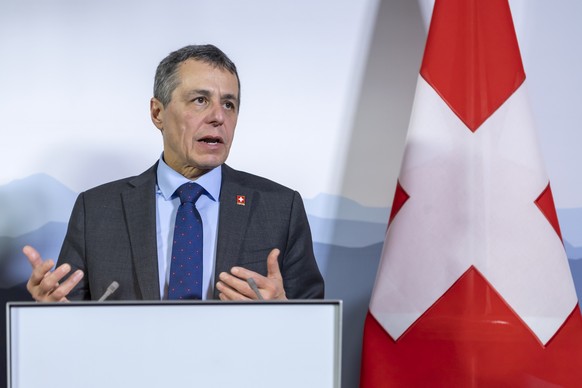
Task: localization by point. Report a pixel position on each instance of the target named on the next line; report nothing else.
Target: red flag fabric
(473, 287)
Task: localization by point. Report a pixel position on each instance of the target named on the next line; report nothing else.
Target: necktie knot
(189, 192)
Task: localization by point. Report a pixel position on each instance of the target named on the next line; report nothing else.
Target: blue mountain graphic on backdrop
(28, 204)
(35, 211)
(14, 267)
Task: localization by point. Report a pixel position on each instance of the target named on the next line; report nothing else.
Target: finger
(243, 273)
(235, 284)
(273, 270)
(244, 287)
(233, 289)
(273, 283)
(32, 255)
(41, 282)
(227, 293)
(62, 290)
(40, 271)
(51, 280)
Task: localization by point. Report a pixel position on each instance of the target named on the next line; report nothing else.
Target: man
(124, 231)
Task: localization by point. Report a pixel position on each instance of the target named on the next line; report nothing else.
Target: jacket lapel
(232, 220)
(139, 203)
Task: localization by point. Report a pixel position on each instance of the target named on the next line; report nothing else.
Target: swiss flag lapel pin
(240, 200)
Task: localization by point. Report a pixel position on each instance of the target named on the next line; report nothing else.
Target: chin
(209, 164)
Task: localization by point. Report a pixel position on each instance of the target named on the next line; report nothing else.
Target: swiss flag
(474, 287)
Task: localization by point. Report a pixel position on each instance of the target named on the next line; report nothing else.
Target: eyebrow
(229, 96)
(207, 93)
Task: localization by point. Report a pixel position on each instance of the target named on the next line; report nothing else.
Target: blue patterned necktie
(186, 264)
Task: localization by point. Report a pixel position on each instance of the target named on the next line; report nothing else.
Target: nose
(216, 115)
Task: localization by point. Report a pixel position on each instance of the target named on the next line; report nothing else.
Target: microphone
(110, 290)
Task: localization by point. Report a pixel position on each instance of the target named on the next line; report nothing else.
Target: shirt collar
(169, 180)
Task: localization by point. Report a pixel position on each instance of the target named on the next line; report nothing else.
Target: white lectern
(174, 344)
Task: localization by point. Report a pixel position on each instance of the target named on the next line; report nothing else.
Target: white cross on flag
(473, 287)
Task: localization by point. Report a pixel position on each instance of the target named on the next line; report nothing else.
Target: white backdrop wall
(327, 89)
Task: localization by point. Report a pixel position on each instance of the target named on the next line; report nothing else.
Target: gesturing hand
(234, 285)
(43, 284)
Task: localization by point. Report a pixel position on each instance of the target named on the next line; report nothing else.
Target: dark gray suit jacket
(112, 236)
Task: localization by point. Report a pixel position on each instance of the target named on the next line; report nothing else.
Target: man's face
(198, 123)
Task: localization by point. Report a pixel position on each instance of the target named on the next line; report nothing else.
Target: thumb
(32, 255)
(273, 270)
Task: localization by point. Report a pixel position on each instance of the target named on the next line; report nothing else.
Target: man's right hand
(43, 284)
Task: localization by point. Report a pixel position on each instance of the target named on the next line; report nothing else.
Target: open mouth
(211, 140)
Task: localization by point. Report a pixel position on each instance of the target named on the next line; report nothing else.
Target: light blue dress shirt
(166, 207)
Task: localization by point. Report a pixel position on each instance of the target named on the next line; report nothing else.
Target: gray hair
(167, 79)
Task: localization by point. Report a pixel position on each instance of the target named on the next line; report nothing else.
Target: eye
(229, 105)
(199, 100)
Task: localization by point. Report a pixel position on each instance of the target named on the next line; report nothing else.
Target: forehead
(197, 74)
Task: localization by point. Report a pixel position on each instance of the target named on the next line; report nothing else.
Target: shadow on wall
(387, 92)
(373, 160)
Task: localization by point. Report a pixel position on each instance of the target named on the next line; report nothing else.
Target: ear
(157, 113)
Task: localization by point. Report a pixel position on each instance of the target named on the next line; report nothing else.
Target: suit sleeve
(301, 276)
(73, 249)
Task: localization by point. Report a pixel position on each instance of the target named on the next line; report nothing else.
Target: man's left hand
(234, 285)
